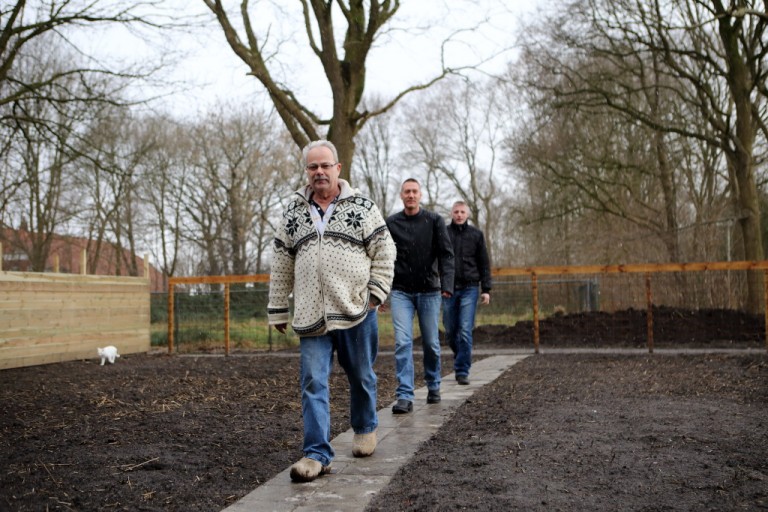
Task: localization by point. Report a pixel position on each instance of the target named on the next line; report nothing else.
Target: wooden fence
(48, 317)
(224, 280)
(650, 273)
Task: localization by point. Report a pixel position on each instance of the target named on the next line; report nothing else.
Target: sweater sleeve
(281, 276)
(483, 264)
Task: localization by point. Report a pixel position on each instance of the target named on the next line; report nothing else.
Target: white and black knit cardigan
(331, 276)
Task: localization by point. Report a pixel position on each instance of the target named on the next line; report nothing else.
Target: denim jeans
(404, 306)
(356, 350)
(459, 321)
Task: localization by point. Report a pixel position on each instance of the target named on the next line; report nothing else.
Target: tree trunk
(341, 137)
(740, 153)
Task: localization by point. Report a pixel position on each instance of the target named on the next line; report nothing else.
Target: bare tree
(344, 65)
(118, 148)
(50, 92)
(42, 157)
(706, 56)
(455, 137)
(162, 187)
(241, 171)
(23, 24)
(377, 161)
(426, 147)
(10, 162)
(286, 175)
(573, 165)
(477, 124)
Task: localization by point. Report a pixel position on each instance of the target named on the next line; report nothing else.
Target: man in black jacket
(423, 272)
(472, 270)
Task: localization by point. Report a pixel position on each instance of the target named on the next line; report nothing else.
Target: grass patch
(203, 334)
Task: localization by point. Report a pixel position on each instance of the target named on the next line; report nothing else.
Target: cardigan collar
(346, 191)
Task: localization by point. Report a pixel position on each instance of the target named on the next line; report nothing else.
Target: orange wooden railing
(534, 271)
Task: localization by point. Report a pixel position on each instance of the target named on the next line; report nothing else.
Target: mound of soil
(672, 327)
(158, 432)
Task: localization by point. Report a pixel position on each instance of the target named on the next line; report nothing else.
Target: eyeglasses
(324, 166)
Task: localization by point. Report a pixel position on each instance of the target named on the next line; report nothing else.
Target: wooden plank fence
(49, 317)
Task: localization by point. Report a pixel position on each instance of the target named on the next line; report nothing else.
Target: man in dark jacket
(472, 270)
(423, 272)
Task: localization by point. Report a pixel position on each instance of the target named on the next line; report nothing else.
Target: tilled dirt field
(556, 432)
(600, 432)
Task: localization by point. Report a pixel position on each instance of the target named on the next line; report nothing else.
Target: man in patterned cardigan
(333, 251)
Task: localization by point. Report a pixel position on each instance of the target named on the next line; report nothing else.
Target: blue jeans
(404, 306)
(459, 321)
(356, 350)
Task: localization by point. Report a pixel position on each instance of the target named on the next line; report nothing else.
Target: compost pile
(556, 432)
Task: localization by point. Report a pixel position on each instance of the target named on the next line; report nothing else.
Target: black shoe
(433, 397)
(402, 406)
(462, 379)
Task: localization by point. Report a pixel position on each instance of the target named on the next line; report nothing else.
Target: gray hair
(322, 143)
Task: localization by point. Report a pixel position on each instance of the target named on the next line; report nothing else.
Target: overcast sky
(207, 71)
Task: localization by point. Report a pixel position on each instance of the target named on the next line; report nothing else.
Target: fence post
(83, 262)
(765, 306)
(226, 319)
(649, 309)
(535, 292)
(170, 316)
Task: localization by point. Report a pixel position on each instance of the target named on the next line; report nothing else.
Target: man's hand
(446, 295)
(485, 298)
(281, 328)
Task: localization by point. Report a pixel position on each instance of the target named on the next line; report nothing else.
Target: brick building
(17, 246)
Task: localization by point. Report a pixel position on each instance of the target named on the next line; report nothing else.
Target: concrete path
(620, 350)
(354, 481)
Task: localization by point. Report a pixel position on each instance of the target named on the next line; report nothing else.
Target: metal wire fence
(654, 310)
(640, 306)
(200, 323)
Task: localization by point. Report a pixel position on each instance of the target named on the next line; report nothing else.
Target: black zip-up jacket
(471, 256)
(424, 255)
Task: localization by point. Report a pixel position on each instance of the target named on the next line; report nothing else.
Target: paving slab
(354, 481)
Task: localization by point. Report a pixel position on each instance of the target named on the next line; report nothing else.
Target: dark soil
(672, 328)
(556, 432)
(568, 432)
